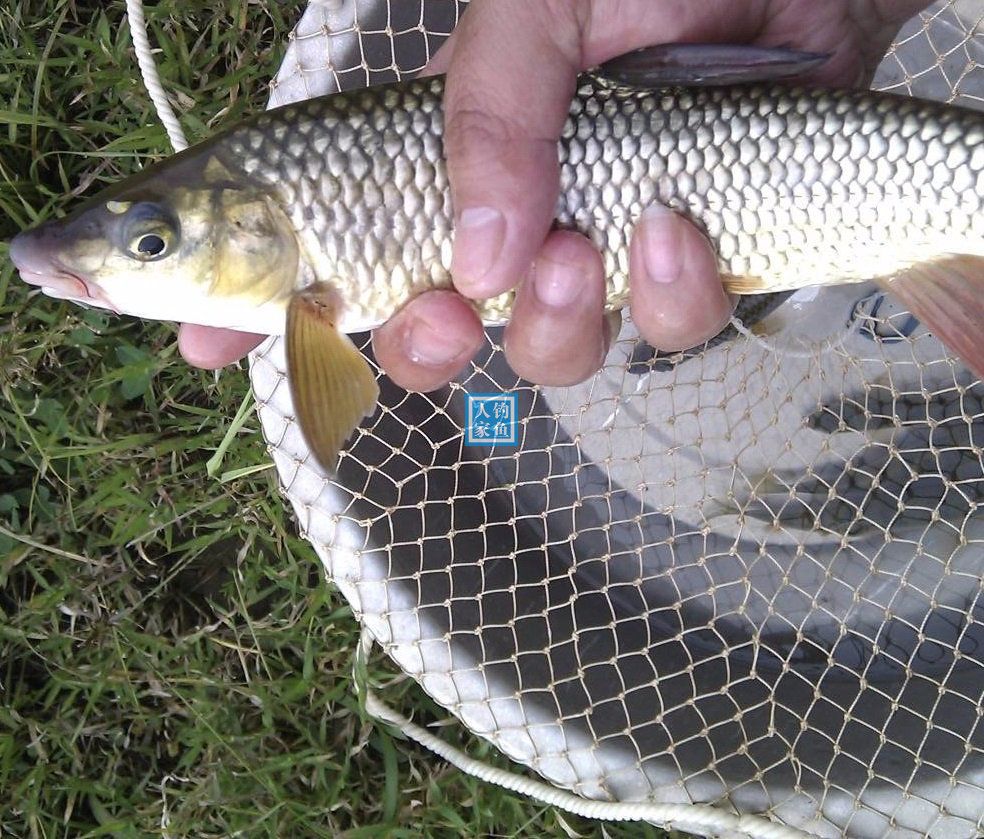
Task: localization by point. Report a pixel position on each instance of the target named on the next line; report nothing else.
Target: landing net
(745, 580)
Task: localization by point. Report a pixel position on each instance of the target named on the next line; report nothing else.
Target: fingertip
(678, 299)
(558, 334)
(428, 342)
(441, 60)
(582, 264)
(504, 193)
(211, 348)
(479, 237)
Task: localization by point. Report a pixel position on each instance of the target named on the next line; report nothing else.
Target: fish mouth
(62, 285)
(39, 268)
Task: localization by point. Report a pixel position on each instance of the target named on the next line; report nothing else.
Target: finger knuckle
(567, 22)
(472, 127)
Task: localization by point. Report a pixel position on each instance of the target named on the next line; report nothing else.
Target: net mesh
(748, 576)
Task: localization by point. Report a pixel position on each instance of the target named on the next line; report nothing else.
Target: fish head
(173, 243)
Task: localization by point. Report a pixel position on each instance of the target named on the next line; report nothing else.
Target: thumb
(509, 88)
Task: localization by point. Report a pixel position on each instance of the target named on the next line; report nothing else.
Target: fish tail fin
(947, 295)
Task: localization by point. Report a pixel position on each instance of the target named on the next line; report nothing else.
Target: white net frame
(738, 591)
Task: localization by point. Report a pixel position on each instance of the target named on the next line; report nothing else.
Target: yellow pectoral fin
(744, 285)
(331, 383)
(948, 296)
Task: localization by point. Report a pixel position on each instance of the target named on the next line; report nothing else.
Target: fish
(324, 217)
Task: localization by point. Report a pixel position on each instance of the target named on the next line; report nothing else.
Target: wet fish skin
(794, 187)
(347, 198)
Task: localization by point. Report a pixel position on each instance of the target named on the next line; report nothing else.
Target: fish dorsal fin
(948, 296)
(701, 65)
(331, 383)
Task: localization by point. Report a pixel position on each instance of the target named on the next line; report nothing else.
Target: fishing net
(746, 580)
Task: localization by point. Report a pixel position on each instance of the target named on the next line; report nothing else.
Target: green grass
(171, 660)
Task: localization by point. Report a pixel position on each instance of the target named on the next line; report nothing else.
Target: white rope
(151, 80)
(692, 818)
(809, 351)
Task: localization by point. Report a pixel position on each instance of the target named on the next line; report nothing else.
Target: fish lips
(37, 267)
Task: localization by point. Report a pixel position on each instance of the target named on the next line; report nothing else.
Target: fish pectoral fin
(688, 65)
(331, 383)
(744, 285)
(947, 295)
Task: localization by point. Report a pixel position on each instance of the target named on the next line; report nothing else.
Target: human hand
(500, 142)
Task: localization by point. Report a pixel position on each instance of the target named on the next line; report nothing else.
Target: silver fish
(324, 217)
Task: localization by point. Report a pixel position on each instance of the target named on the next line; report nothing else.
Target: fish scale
(325, 217)
(781, 180)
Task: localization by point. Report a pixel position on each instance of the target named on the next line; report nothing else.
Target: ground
(172, 661)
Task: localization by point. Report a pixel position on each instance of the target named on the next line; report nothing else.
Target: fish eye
(149, 232)
(150, 245)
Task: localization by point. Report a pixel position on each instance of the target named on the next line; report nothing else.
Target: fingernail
(556, 284)
(432, 347)
(662, 244)
(479, 234)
